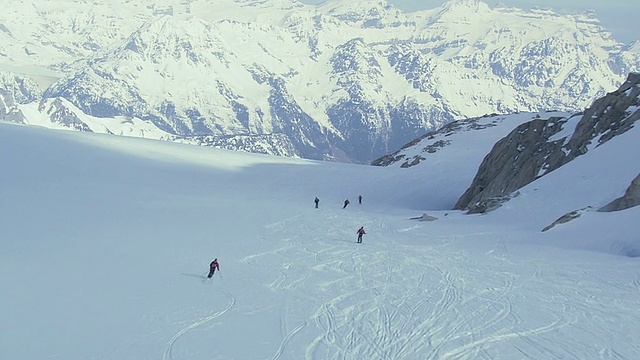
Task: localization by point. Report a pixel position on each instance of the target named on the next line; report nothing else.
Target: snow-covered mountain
(516, 150)
(341, 80)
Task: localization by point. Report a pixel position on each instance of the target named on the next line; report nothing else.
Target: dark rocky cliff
(536, 148)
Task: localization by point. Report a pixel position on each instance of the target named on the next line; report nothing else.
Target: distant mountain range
(344, 81)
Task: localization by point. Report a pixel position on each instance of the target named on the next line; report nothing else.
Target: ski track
(287, 338)
(168, 352)
(356, 310)
(451, 289)
(372, 329)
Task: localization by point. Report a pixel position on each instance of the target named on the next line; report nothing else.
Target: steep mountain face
(14, 90)
(536, 148)
(347, 81)
(8, 109)
(19, 88)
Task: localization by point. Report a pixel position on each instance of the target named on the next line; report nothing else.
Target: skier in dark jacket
(316, 201)
(213, 267)
(346, 202)
(360, 233)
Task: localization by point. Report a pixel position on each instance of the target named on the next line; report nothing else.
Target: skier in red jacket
(213, 267)
(360, 233)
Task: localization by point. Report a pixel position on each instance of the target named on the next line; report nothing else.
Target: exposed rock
(531, 151)
(8, 109)
(630, 198)
(272, 144)
(565, 218)
(514, 161)
(60, 114)
(447, 130)
(14, 90)
(425, 217)
(609, 116)
(21, 88)
(491, 203)
(388, 159)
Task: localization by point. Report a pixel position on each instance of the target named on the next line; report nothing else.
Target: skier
(360, 199)
(316, 201)
(213, 267)
(360, 233)
(346, 202)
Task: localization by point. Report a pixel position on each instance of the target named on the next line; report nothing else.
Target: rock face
(8, 109)
(440, 142)
(540, 146)
(60, 114)
(630, 198)
(513, 162)
(573, 215)
(21, 88)
(14, 90)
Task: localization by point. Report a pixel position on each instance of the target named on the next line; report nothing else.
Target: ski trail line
(167, 354)
(286, 340)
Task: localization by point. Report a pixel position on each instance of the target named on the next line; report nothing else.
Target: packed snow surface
(105, 243)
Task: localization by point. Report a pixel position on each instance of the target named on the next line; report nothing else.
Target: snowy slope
(462, 144)
(105, 241)
(348, 81)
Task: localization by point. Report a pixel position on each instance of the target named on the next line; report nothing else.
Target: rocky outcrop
(439, 136)
(15, 89)
(570, 216)
(273, 144)
(8, 109)
(21, 89)
(61, 114)
(536, 148)
(514, 161)
(425, 217)
(630, 198)
(609, 116)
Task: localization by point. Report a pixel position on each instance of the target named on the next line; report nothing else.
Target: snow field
(104, 254)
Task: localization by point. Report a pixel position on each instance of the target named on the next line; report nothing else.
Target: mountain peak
(352, 5)
(460, 10)
(469, 4)
(364, 7)
(281, 4)
(344, 79)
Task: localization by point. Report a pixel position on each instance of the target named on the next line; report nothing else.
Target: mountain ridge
(347, 82)
(526, 146)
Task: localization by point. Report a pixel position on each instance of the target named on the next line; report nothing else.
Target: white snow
(463, 58)
(105, 242)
